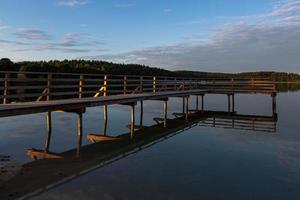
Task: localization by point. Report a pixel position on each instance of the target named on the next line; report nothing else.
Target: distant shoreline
(103, 67)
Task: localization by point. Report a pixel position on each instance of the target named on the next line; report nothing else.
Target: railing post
(141, 113)
(141, 84)
(49, 132)
(81, 79)
(214, 121)
(79, 133)
(232, 85)
(132, 120)
(274, 85)
(105, 108)
(229, 104)
(6, 89)
(233, 103)
(202, 102)
(165, 113)
(105, 80)
(186, 108)
(273, 95)
(175, 84)
(125, 85)
(183, 104)
(154, 84)
(105, 111)
(165, 84)
(49, 83)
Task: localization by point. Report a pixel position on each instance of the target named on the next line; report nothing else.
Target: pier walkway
(34, 92)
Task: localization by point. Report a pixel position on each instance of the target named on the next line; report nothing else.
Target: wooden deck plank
(55, 105)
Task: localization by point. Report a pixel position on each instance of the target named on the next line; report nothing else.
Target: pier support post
(187, 108)
(229, 104)
(202, 102)
(183, 104)
(233, 103)
(197, 102)
(132, 119)
(105, 119)
(79, 133)
(165, 113)
(141, 114)
(274, 110)
(49, 132)
(214, 121)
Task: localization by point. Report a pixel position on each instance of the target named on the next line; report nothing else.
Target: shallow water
(199, 163)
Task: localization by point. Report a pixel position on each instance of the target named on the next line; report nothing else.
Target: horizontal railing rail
(42, 86)
(242, 124)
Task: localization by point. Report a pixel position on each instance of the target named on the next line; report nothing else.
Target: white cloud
(73, 3)
(269, 44)
(289, 8)
(32, 34)
(77, 39)
(2, 26)
(49, 47)
(70, 43)
(8, 42)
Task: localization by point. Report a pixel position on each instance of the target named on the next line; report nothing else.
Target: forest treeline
(102, 67)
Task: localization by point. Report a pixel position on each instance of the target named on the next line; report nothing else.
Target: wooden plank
(30, 107)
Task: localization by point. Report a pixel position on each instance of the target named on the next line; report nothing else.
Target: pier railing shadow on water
(50, 169)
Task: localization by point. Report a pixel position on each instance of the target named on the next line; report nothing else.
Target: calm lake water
(198, 163)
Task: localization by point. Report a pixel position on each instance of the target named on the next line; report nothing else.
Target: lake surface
(198, 163)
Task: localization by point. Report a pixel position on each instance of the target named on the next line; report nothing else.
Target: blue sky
(220, 35)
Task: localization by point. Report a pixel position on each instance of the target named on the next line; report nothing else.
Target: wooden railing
(36, 86)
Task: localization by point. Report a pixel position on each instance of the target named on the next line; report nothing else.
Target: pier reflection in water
(218, 119)
(205, 162)
(52, 168)
(241, 122)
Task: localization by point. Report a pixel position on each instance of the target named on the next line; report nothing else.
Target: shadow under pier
(57, 168)
(50, 169)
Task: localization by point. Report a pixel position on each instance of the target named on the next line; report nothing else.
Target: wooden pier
(34, 92)
(57, 91)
